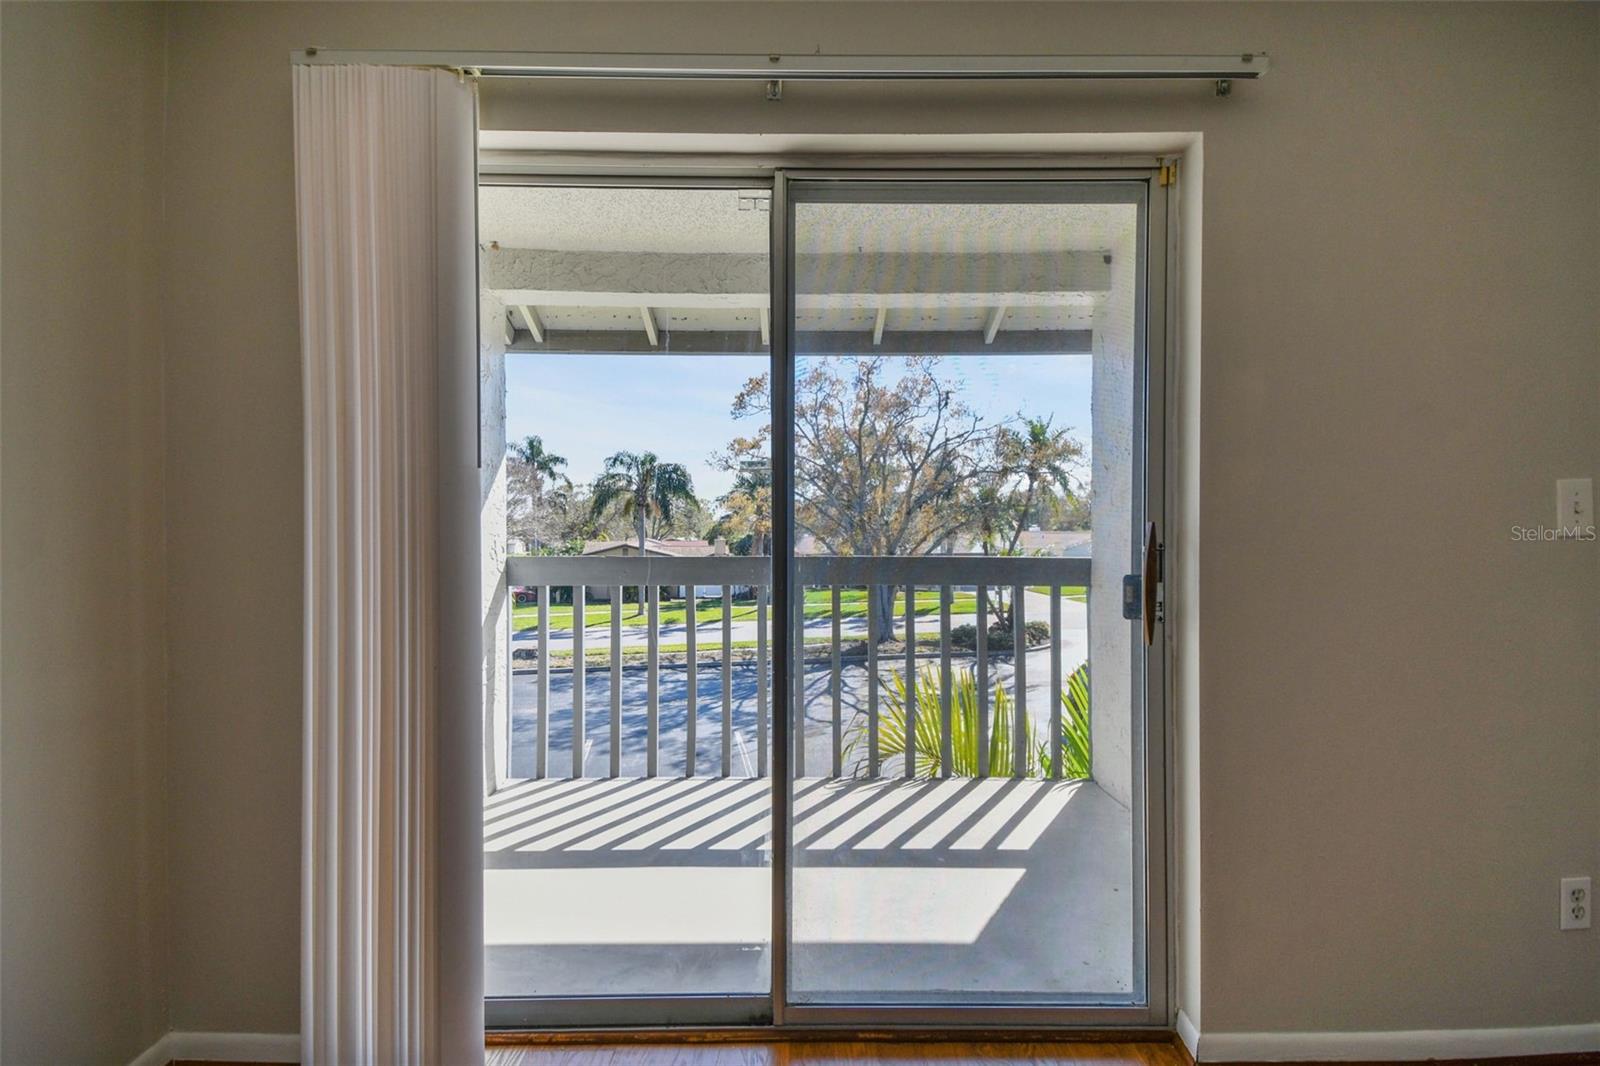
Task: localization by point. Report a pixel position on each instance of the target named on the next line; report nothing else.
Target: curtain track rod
(778, 67)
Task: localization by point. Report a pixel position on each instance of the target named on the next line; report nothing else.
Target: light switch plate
(1574, 503)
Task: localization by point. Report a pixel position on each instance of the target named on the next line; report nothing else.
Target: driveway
(673, 683)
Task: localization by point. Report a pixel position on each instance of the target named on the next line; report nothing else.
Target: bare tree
(884, 463)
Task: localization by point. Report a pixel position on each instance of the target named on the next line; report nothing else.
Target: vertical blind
(385, 184)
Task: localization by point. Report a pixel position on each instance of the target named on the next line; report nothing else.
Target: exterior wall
(496, 604)
(1111, 510)
(83, 813)
(1400, 343)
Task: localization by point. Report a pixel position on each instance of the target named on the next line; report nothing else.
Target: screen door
(965, 428)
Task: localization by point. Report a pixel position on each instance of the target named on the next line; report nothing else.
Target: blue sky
(588, 406)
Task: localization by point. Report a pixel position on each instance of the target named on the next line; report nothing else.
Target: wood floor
(899, 1052)
(853, 1053)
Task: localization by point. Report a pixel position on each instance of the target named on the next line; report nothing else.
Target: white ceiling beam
(851, 301)
(636, 298)
(993, 326)
(508, 269)
(530, 319)
(510, 329)
(742, 344)
(650, 326)
(766, 324)
(878, 323)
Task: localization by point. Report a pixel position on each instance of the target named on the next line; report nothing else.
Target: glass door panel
(967, 700)
(627, 875)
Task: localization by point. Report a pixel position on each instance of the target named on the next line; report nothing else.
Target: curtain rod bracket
(775, 90)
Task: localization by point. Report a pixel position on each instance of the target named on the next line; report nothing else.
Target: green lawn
(819, 604)
(1069, 592)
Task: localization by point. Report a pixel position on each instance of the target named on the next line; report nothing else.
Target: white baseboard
(1404, 1045)
(1189, 1035)
(222, 1047)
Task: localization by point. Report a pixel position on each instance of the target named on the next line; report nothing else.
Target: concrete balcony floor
(988, 891)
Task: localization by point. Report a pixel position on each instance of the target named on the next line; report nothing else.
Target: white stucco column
(1111, 509)
(496, 604)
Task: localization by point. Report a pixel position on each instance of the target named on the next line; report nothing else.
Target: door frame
(1152, 744)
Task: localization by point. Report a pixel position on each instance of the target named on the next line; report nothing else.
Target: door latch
(1144, 595)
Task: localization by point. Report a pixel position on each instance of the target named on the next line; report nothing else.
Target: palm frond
(965, 732)
(964, 726)
(1076, 753)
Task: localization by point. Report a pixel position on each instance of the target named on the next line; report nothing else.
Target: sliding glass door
(829, 695)
(969, 692)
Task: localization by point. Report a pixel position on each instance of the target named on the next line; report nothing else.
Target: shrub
(1075, 741)
(966, 636)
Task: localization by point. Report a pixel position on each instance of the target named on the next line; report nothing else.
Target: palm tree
(641, 487)
(530, 472)
(1028, 460)
(544, 466)
(1039, 455)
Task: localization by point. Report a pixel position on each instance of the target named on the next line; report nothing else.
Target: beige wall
(84, 964)
(1398, 747)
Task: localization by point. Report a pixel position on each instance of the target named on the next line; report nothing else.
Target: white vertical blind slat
(371, 144)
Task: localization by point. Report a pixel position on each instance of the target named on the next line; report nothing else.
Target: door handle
(1150, 583)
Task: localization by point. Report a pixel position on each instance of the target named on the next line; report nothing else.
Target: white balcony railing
(945, 573)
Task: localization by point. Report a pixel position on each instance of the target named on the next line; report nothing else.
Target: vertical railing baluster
(761, 681)
(652, 676)
(797, 701)
(982, 636)
(690, 616)
(1019, 684)
(946, 738)
(873, 626)
(578, 664)
(616, 681)
(838, 692)
(727, 680)
(1040, 742)
(542, 756)
(911, 681)
(1055, 681)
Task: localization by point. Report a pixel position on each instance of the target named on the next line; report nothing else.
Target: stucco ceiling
(594, 258)
(571, 219)
(568, 218)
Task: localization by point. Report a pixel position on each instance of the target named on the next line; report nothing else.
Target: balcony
(618, 864)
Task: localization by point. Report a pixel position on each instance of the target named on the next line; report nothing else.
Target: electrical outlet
(1577, 903)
